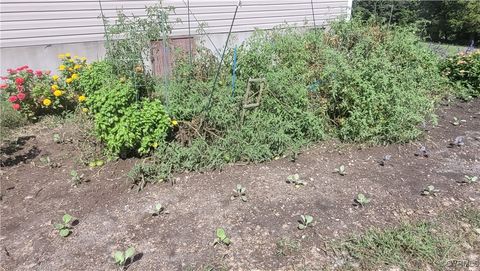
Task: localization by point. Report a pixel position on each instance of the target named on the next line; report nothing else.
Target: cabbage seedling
(221, 237)
(76, 178)
(158, 209)
(341, 170)
(459, 141)
(469, 179)
(457, 122)
(430, 191)
(240, 192)
(362, 200)
(121, 258)
(64, 228)
(295, 179)
(305, 221)
(423, 152)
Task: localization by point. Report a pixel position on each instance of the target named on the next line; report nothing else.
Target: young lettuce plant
(240, 192)
(121, 258)
(305, 221)
(64, 228)
(362, 200)
(341, 170)
(295, 179)
(222, 237)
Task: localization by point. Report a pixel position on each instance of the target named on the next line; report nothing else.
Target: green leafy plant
(469, 179)
(305, 221)
(221, 237)
(295, 179)
(240, 192)
(341, 170)
(76, 178)
(122, 258)
(362, 200)
(65, 227)
(430, 191)
(463, 70)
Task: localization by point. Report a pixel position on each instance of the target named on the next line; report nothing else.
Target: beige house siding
(38, 27)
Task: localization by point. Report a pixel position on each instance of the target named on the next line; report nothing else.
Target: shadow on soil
(12, 147)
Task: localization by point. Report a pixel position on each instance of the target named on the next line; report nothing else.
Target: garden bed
(37, 191)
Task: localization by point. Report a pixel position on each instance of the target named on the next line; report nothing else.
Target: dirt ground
(112, 216)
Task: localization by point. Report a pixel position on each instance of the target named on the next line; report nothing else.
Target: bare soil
(112, 216)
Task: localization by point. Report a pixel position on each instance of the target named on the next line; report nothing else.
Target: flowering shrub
(23, 88)
(464, 69)
(36, 92)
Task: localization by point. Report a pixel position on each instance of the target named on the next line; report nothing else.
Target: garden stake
(208, 107)
(234, 70)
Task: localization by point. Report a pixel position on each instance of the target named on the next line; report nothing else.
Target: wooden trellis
(253, 96)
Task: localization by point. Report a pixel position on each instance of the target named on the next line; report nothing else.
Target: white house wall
(34, 31)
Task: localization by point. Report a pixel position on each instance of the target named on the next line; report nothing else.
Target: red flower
(12, 99)
(38, 73)
(22, 68)
(16, 107)
(21, 96)
(10, 71)
(3, 77)
(19, 81)
(20, 88)
(3, 86)
(30, 71)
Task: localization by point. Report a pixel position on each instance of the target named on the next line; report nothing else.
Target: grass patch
(472, 216)
(9, 119)
(409, 246)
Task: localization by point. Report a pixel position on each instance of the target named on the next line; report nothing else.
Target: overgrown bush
(380, 84)
(362, 82)
(463, 69)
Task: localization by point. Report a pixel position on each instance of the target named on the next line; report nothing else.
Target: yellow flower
(83, 59)
(81, 98)
(47, 102)
(57, 93)
(70, 69)
(74, 76)
(71, 60)
(174, 123)
(76, 67)
(54, 87)
(55, 77)
(61, 56)
(68, 55)
(84, 110)
(62, 67)
(75, 57)
(155, 145)
(69, 80)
